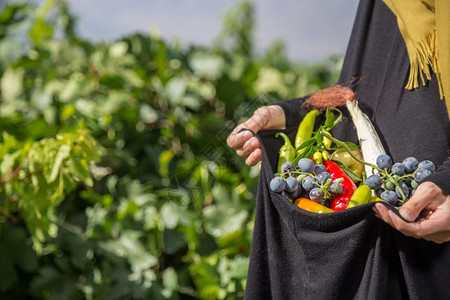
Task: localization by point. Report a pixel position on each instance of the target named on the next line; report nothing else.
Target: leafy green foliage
(116, 181)
(35, 177)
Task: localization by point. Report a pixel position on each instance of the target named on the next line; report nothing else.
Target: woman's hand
(433, 206)
(246, 145)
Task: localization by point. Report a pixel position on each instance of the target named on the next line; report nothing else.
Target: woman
(410, 122)
(352, 254)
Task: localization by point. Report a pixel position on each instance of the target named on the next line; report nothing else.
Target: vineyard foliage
(115, 178)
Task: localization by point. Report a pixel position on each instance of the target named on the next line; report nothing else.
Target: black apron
(351, 254)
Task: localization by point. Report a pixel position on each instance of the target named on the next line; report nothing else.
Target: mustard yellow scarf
(425, 27)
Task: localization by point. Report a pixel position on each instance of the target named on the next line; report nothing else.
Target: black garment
(409, 123)
(351, 254)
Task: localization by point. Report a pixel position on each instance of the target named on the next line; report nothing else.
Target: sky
(312, 30)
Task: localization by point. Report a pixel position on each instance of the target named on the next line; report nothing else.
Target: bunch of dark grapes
(396, 182)
(306, 180)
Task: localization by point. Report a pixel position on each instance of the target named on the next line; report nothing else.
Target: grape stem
(381, 171)
(344, 145)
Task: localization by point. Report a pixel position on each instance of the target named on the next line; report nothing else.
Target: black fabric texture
(351, 254)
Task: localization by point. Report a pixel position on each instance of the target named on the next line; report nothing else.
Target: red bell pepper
(341, 201)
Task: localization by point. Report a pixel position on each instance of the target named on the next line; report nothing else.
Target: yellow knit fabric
(425, 27)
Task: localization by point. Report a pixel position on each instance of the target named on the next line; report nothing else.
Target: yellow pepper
(326, 142)
(344, 157)
(312, 206)
(360, 196)
(317, 157)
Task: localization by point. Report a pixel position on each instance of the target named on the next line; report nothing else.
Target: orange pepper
(312, 206)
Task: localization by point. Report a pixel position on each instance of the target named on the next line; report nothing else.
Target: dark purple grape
(398, 169)
(306, 165)
(301, 177)
(398, 204)
(323, 177)
(277, 184)
(389, 196)
(420, 175)
(384, 161)
(374, 182)
(316, 194)
(404, 189)
(287, 166)
(379, 191)
(308, 183)
(411, 164)
(319, 168)
(427, 165)
(335, 188)
(297, 193)
(291, 184)
(408, 182)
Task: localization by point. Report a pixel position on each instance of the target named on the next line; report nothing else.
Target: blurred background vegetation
(115, 178)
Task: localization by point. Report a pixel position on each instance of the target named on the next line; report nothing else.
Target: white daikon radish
(369, 141)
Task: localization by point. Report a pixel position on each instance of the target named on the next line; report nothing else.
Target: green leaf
(115, 101)
(169, 215)
(221, 220)
(190, 102)
(206, 280)
(80, 170)
(20, 250)
(173, 241)
(9, 12)
(347, 170)
(127, 208)
(8, 275)
(11, 84)
(118, 49)
(175, 90)
(78, 248)
(306, 143)
(307, 152)
(164, 160)
(207, 65)
(148, 114)
(239, 267)
(63, 153)
(41, 29)
(170, 280)
(207, 245)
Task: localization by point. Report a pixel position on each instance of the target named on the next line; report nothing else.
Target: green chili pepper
(375, 199)
(305, 128)
(362, 195)
(287, 151)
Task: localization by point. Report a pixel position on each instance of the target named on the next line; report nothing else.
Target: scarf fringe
(426, 56)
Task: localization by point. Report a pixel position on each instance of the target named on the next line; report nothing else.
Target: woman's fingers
(254, 157)
(249, 146)
(237, 139)
(246, 145)
(434, 222)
